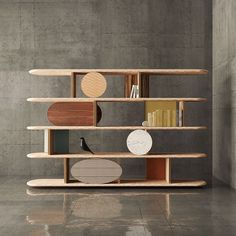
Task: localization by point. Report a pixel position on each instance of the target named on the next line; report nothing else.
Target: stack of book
(162, 118)
(134, 91)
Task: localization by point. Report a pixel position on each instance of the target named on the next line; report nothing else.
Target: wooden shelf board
(114, 99)
(127, 183)
(68, 72)
(113, 128)
(117, 155)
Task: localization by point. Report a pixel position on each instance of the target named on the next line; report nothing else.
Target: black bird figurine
(84, 145)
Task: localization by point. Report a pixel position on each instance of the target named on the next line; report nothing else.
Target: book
(134, 91)
(150, 119)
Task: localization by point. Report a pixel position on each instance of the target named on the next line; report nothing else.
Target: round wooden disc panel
(93, 84)
(139, 142)
(96, 171)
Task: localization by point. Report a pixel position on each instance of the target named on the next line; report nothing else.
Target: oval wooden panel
(139, 142)
(73, 114)
(96, 171)
(93, 84)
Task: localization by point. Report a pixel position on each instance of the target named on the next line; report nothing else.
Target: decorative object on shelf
(72, 113)
(134, 91)
(96, 171)
(139, 142)
(93, 84)
(161, 113)
(84, 145)
(145, 123)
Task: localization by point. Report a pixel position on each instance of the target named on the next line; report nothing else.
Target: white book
(137, 90)
(132, 92)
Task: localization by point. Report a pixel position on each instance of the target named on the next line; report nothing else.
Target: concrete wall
(102, 34)
(224, 90)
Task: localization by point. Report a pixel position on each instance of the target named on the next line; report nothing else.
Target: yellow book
(164, 118)
(161, 106)
(154, 118)
(168, 118)
(149, 119)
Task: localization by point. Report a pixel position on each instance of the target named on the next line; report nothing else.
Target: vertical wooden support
(66, 170)
(48, 141)
(144, 86)
(139, 84)
(73, 85)
(168, 170)
(181, 113)
(129, 81)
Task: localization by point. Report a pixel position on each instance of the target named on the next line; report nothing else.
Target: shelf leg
(48, 141)
(66, 170)
(144, 86)
(168, 170)
(181, 113)
(129, 81)
(73, 85)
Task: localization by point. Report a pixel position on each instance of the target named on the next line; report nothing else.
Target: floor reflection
(100, 212)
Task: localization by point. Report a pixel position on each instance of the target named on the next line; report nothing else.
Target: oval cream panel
(96, 171)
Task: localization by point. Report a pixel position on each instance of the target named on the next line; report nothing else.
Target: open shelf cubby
(158, 165)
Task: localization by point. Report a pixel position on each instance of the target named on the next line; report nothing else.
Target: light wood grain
(93, 84)
(124, 183)
(117, 155)
(114, 128)
(96, 171)
(114, 99)
(68, 72)
(168, 170)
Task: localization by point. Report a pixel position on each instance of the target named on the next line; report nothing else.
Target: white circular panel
(139, 142)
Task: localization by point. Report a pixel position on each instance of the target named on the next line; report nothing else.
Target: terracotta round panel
(93, 84)
(139, 142)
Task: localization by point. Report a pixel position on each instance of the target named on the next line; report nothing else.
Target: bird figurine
(84, 145)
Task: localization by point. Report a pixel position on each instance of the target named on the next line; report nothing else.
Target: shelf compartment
(68, 72)
(114, 128)
(123, 183)
(117, 155)
(45, 100)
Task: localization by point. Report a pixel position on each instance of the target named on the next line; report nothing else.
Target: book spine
(132, 92)
(154, 118)
(149, 119)
(168, 118)
(173, 118)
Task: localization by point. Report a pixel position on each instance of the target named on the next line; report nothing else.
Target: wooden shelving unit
(117, 155)
(122, 183)
(115, 99)
(158, 165)
(113, 128)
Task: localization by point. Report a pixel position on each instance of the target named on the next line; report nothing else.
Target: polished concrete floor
(115, 212)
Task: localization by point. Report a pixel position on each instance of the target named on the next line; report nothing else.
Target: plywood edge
(114, 128)
(133, 183)
(117, 155)
(113, 99)
(68, 72)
